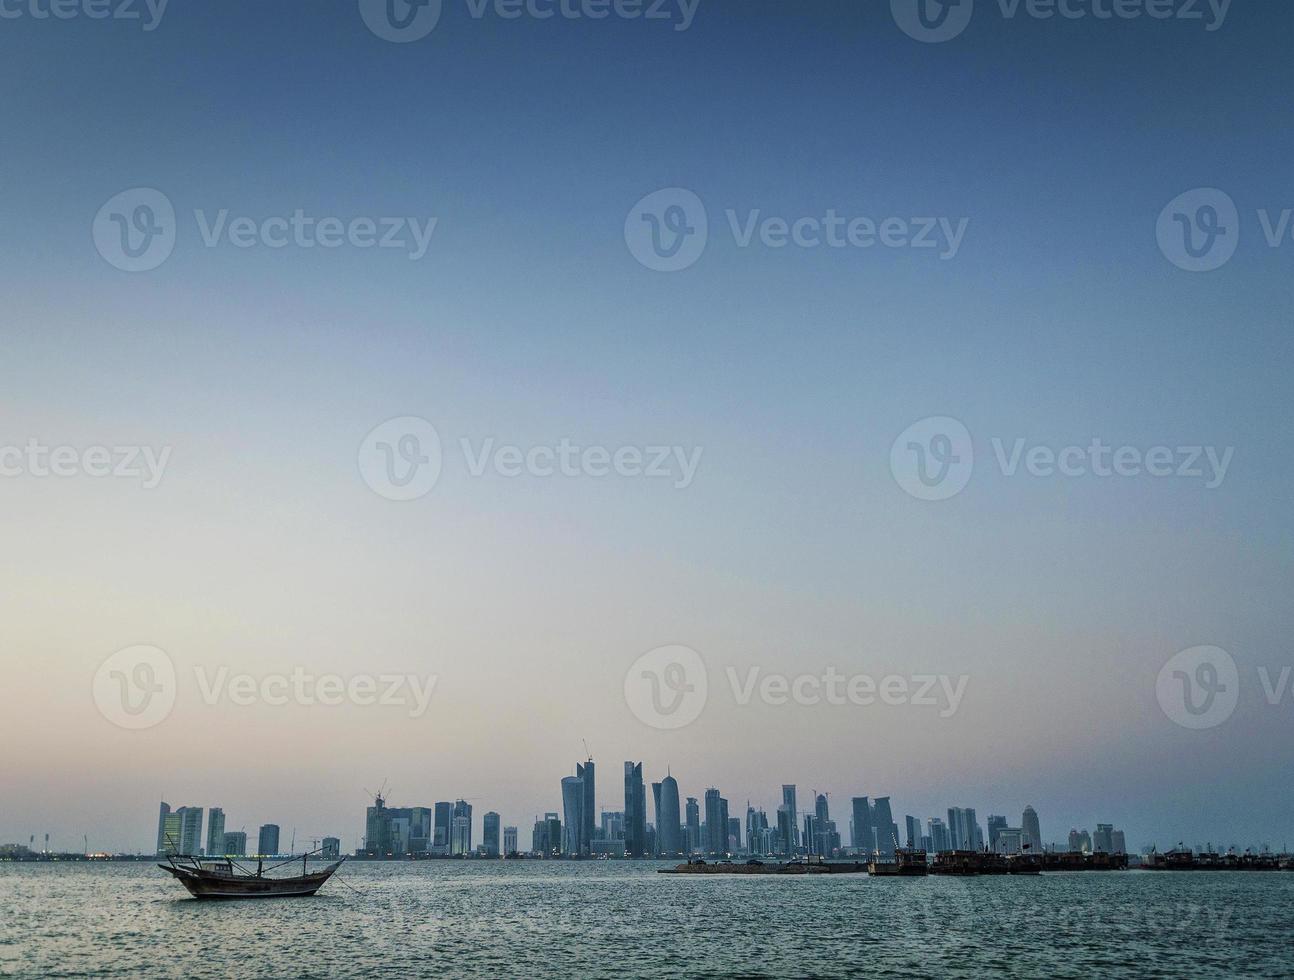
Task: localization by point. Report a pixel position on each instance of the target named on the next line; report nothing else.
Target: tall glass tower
(572, 814)
(585, 772)
(635, 811)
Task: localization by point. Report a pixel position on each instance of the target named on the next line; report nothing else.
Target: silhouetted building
(442, 827)
(913, 827)
(995, 825)
(693, 825)
(234, 844)
(887, 831)
(490, 834)
(716, 822)
(1032, 832)
(586, 773)
(669, 832)
(788, 801)
(635, 811)
(861, 834)
(215, 831)
(267, 841)
(572, 814)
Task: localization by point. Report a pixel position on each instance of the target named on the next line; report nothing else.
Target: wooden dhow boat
(228, 878)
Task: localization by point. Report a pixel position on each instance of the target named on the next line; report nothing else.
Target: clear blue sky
(529, 320)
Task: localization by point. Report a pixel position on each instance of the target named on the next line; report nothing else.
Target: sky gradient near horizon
(793, 548)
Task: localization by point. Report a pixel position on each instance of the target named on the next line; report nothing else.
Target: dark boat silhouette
(229, 879)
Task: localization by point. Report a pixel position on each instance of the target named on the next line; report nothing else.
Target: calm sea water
(527, 919)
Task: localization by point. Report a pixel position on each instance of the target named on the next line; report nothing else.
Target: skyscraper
(669, 836)
(1103, 839)
(886, 829)
(168, 830)
(586, 773)
(861, 834)
(234, 844)
(963, 826)
(215, 831)
(1032, 832)
(716, 823)
(460, 836)
(572, 814)
(654, 836)
(190, 829)
(331, 847)
(693, 841)
(788, 801)
(377, 829)
(913, 827)
(938, 833)
(996, 824)
(490, 834)
(509, 840)
(635, 811)
(267, 841)
(462, 811)
(441, 824)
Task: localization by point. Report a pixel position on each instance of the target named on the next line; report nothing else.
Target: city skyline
(245, 397)
(447, 829)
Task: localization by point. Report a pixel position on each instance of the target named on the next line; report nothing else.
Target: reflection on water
(525, 918)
